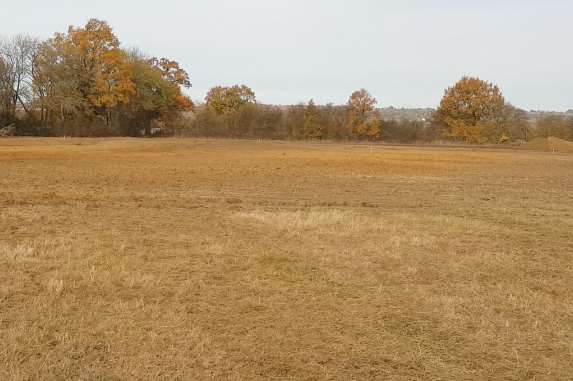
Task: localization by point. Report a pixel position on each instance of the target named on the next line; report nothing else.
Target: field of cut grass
(183, 259)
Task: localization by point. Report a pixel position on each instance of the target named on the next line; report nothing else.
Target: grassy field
(204, 259)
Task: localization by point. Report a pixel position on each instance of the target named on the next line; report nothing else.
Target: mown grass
(203, 259)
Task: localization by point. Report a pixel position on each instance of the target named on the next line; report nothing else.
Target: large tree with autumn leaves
(83, 79)
(363, 120)
(475, 111)
(226, 100)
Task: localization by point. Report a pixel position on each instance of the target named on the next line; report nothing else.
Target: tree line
(82, 83)
(472, 111)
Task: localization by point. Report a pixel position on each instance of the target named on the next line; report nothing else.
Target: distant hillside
(535, 115)
(425, 114)
(411, 114)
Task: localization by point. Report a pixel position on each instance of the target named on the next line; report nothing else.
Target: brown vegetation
(550, 144)
(215, 259)
(474, 111)
(82, 83)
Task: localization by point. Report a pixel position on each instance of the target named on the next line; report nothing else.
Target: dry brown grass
(200, 259)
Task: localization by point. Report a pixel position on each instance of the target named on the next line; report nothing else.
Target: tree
(470, 110)
(90, 60)
(174, 74)
(5, 93)
(104, 66)
(333, 120)
(172, 71)
(17, 58)
(56, 86)
(157, 94)
(225, 100)
(363, 121)
(82, 83)
(554, 126)
(294, 121)
(312, 125)
(514, 124)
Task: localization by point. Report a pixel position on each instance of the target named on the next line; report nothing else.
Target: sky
(404, 52)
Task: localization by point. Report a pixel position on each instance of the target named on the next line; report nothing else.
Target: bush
(554, 126)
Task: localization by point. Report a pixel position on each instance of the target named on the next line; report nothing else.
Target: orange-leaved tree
(172, 71)
(105, 66)
(225, 100)
(90, 59)
(363, 120)
(471, 110)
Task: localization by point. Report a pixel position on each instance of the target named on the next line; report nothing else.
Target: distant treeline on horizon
(82, 83)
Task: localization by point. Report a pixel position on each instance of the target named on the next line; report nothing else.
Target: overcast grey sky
(404, 52)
